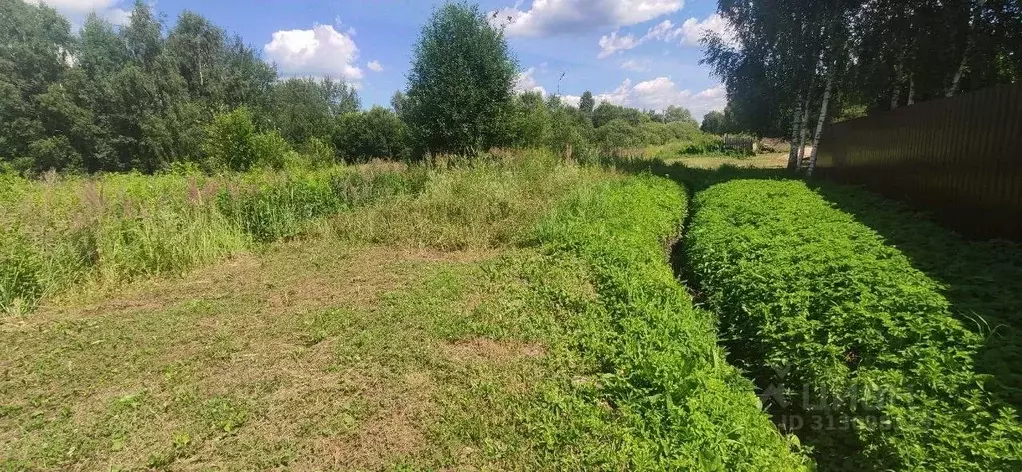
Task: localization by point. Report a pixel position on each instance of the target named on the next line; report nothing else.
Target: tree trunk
(819, 123)
(804, 136)
(969, 44)
(796, 128)
(953, 88)
(896, 93)
(911, 90)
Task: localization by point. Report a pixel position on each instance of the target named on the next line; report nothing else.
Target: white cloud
(634, 66)
(375, 66)
(76, 10)
(118, 16)
(554, 17)
(689, 33)
(572, 100)
(614, 43)
(77, 6)
(526, 82)
(320, 51)
(661, 92)
(692, 31)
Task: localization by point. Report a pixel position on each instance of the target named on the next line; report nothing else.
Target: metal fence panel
(960, 158)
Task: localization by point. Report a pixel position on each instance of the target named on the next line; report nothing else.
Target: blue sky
(641, 53)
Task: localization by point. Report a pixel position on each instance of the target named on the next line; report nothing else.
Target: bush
(228, 142)
(618, 134)
(55, 153)
(374, 134)
(318, 152)
(815, 302)
(268, 149)
(664, 374)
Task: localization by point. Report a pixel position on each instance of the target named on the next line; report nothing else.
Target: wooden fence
(959, 158)
(740, 143)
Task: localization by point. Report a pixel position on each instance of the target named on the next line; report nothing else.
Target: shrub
(375, 134)
(268, 149)
(228, 142)
(663, 372)
(617, 134)
(460, 83)
(815, 302)
(319, 153)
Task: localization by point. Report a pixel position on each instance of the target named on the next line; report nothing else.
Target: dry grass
(314, 355)
(775, 160)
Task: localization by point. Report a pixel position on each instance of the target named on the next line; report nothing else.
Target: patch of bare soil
(489, 350)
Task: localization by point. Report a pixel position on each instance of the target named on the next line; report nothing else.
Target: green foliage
(61, 234)
(713, 123)
(530, 126)
(232, 143)
(571, 133)
(586, 104)
(814, 301)
(619, 133)
(319, 153)
(982, 279)
(607, 112)
(661, 367)
(460, 86)
(374, 134)
(303, 108)
(228, 142)
(269, 149)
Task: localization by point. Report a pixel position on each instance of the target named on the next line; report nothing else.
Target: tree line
(145, 97)
(793, 65)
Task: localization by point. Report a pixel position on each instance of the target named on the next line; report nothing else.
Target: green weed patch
(856, 350)
(662, 371)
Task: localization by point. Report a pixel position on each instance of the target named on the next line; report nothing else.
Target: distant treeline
(144, 97)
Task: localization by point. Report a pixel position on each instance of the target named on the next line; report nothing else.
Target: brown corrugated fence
(959, 158)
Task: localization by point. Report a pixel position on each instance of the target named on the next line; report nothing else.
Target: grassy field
(512, 313)
(421, 318)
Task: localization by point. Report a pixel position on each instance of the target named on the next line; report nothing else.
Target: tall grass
(489, 202)
(61, 233)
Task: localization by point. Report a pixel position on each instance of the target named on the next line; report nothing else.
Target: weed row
(663, 371)
(856, 349)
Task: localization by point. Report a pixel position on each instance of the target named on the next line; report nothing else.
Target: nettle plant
(844, 334)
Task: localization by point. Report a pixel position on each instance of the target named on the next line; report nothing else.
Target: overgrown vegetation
(66, 232)
(982, 280)
(662, 369)
(844, 334)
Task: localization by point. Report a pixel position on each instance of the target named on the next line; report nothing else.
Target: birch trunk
(969, 44)
(896, 93)
(819, 123)
(804, 137)
(796, 131)
(958, 75)
(911, 90)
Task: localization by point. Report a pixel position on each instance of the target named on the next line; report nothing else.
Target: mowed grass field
(402, 333)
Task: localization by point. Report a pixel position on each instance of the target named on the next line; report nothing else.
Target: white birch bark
(819, 123)
(804, 137)
(796, 126)
(896, 93)
(953, 88)
(911, 90)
